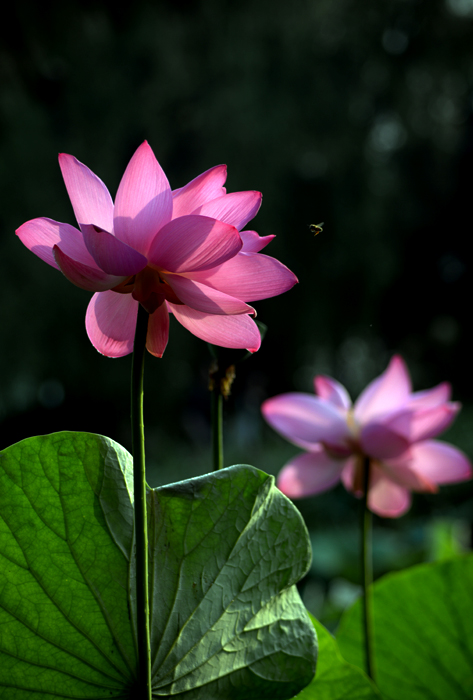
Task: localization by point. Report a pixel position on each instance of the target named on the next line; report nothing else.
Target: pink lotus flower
(178, 252)
(388, 424)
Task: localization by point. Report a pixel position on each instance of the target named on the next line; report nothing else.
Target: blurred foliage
(413, 658)
(351, 112)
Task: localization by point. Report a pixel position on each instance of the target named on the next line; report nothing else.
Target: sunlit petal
(388, 392)
(41, 235)
(385, 498)
(306, 420)
(253, 242)
(249, 277)
(205, 187)
(111, 254)
(440, 462)
(158, 331)
(403, 473)
(194, 243)
(89, 278)
(89, 196)
(332, 391)
(236, 208)
(144, 200)
(227, 331)
(206, 299)
(310, 473)
(430, 397)
(110, 323)
(423, 423)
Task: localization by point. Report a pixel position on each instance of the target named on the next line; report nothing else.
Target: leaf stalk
(367, 570)
(140, 519)
(217, 429)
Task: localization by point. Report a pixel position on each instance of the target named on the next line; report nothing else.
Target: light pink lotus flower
(178, 252)
(388, 423)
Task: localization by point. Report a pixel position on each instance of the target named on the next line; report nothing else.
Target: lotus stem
(140, 524)
(221, 376)
(367, 571)
(217, 426)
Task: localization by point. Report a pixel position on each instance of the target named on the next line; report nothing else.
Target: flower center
(353, 426)
(149, 288)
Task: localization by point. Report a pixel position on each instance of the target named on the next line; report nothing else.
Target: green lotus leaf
(225, 552)
(423, 632)
(335, 678)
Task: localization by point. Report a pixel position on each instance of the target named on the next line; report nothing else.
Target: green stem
(217, 426)
(367, 571)
(139, 485)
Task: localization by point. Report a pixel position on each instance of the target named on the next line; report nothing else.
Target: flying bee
(316, 228)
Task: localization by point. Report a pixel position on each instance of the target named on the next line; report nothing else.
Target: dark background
(358, 113)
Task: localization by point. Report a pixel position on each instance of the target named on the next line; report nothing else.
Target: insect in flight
(316, 228)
